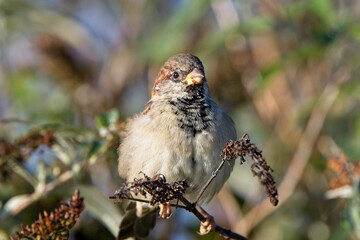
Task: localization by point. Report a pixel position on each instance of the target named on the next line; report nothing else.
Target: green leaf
(106, 119)
(95, 147)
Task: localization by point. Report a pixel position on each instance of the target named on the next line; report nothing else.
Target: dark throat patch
(192, 112)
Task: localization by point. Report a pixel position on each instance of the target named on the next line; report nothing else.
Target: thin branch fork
(139, 186)
(147, 201)
(213, 175)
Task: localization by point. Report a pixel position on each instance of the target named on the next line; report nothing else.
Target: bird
(179, 134)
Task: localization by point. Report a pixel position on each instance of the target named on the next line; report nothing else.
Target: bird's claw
(165, 210)
(208, 225)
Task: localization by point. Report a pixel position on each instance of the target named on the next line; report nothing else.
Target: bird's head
(181, 75)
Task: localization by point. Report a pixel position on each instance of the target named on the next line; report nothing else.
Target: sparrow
(179, 134)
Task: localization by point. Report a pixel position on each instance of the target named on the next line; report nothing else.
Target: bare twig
(114, 197)
(227, 233)
(213, 175)
(241, 148)
(17, 120)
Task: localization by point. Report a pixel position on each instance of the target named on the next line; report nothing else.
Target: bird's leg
(165, 210)
(207, 225)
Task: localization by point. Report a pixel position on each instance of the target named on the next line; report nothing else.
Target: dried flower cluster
(345, 171)
(163, 192)
(259, 168)
(55, 225)
(22, 147)
(36, 138)
(157, 187)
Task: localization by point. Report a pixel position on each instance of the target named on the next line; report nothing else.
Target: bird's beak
(195, 77)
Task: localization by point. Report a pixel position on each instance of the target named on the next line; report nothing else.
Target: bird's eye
(175, 74)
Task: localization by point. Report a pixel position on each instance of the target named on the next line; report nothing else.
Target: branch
(17, 120)
(226, 233)
(213, 175)
(117, 200)
(35, 196)
(162, 192)
(241, 148)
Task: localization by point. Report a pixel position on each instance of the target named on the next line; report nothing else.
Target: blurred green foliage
(286, 71)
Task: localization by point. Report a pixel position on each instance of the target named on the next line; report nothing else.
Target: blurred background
(286, 71)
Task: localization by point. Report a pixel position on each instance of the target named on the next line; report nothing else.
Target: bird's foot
(165, 210)
(208, 225)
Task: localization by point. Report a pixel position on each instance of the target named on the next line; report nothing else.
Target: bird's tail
(138, 221)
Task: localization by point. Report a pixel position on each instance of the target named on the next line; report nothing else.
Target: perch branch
(146, 201)
(162, 192)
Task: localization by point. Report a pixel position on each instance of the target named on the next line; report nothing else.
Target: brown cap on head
(185, 62)
(183, 67)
